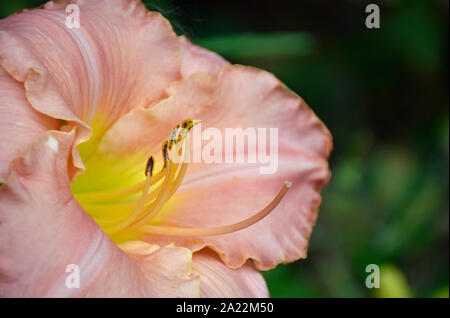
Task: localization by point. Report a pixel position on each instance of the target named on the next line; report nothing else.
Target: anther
(187, 124)
(149, 167)
(165, 152)
(173, 136)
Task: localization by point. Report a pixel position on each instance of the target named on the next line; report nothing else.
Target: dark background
(383, 93)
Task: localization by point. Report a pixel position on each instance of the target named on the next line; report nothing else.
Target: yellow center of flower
(129, 210)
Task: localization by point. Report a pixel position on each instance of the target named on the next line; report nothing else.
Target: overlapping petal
(197, 59)
(121, 57)
(168, 270)
(43, 230)
(19, 122)
(217, 280)
(35, 204)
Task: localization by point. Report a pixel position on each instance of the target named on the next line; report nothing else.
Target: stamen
(142, 214)
(162, 197)
(143, 199)
(188, 124)
(209, 231)
(183, 168)
(152, 201)
(168, 192)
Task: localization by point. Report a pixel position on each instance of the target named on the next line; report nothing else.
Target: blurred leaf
(444, 126)
(260, 45)
(393, 283)
(406, 231)
(9, 7)
(285, 281)
(441, 293)
(393, 171)
(337, 277)
(348, 173)
(414, 31)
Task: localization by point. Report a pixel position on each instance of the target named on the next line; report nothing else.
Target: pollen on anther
(149, 167)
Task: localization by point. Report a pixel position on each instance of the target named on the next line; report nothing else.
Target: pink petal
(221, 194)
(197, 59)
(19, 122)
(219, 281)
(121, 57)
(168, 269)
(43, 230)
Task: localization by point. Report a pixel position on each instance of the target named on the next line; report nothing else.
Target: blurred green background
(383, 93)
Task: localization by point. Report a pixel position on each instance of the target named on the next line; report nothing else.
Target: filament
(117, 193)
(142, 214)
(164, 193)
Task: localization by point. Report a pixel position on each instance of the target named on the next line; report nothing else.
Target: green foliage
(265, 45)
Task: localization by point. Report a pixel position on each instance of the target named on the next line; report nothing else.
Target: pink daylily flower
(82, 109)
